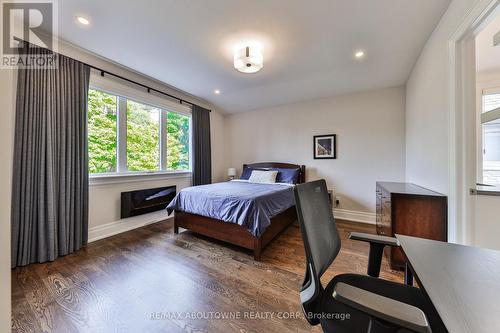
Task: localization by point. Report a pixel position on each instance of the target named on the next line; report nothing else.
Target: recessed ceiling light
(83, 20)
(359, 54)
(217, 91)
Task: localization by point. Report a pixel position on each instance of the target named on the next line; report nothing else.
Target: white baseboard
(355, 216)
(117, 227)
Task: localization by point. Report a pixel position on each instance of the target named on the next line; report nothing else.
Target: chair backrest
(320, 237)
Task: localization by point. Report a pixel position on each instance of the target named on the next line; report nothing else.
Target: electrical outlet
(337, 201)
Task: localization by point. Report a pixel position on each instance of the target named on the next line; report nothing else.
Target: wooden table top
(463, 282)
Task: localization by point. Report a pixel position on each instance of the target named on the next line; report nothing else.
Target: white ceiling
(308, 45)
(487, 55)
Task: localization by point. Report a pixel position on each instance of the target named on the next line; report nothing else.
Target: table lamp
(231, 172)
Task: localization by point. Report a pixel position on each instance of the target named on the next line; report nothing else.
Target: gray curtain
(50, 180)
(202, 156)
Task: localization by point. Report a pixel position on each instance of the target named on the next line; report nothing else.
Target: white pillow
(261, 176)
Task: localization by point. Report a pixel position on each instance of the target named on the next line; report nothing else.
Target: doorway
(474, 141)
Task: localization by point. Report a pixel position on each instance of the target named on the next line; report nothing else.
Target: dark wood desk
(462, 282)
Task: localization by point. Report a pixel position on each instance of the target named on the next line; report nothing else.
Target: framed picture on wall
(325, 147)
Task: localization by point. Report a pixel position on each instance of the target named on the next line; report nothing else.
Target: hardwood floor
(150, 280)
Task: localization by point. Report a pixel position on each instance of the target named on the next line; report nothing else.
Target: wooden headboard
(268, 165)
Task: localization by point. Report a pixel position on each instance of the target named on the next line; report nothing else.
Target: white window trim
(491, 89)
(126, 92)
(132, 177)
(163, 140)
(121, 136)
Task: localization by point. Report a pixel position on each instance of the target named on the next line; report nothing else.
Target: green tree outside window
(101, 123)
(177, 141)
(142, 137)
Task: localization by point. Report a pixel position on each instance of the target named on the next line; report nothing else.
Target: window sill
(485, 190)
(118, 178)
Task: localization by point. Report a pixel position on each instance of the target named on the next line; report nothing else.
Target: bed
(245, 214)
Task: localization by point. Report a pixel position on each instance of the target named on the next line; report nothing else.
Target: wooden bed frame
(235, 234)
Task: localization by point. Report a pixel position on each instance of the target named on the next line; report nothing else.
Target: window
(490, 123)
(491, 102)
(143, 137)
(177, 141)
(102, 135)
(126, 136)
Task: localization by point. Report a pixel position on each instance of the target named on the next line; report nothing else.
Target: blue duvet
(251, 205)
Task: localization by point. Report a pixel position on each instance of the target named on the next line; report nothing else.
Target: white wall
(7, 107)
(218, 139)
(486, 226)
(427, 105)
(370, 147)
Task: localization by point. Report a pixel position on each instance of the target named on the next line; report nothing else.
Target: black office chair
(372, 304)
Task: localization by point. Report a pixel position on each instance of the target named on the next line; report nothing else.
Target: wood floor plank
(25, 319)
(152, 280)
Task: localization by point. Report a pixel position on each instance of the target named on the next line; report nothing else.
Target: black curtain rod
(148, 88)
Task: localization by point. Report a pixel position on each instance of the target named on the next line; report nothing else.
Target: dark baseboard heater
(145, 201)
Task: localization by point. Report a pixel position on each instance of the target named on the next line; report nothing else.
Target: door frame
(462, 118)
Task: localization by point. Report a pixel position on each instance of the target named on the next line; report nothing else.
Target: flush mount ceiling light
(248, 60)
(359, 54)
(82, 20)
(217, 91)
